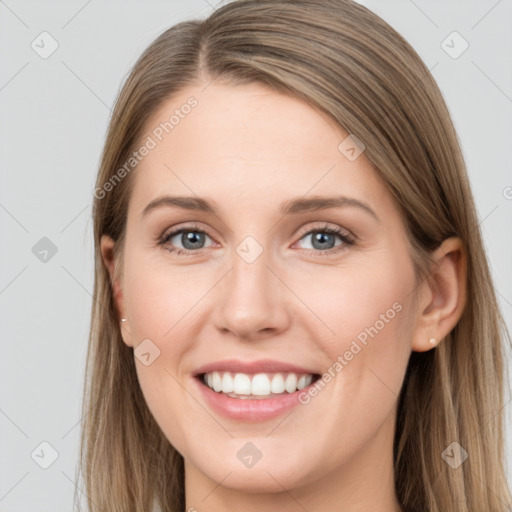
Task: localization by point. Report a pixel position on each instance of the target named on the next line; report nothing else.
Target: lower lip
(257, 409)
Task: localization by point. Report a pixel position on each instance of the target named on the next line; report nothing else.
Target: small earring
(432, 341)
(123, 319)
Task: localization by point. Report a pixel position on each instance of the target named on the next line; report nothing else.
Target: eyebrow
(293, 206)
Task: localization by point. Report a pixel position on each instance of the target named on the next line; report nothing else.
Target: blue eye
(322, 238)
(193, 238)
(190, 237)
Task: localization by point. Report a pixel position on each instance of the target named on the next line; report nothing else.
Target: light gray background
(54, 114)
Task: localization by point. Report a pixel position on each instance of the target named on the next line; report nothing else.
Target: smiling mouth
(256, 386)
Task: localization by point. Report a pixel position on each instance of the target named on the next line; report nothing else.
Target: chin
(258, 481)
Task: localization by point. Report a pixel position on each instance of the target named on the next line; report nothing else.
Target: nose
(253, 301)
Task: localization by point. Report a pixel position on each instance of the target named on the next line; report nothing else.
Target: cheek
(160, 299)
(159, 314)
(164, 398)
(357, 301)
(162, 303)
(365, 321)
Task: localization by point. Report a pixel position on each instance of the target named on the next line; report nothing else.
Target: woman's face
(266, 288)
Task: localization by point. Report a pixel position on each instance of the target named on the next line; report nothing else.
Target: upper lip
(260, 366)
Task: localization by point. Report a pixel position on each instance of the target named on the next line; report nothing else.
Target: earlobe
(443, 298)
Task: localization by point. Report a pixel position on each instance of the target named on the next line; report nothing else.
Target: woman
(230, 365)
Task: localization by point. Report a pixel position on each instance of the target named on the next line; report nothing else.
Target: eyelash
(347, 240)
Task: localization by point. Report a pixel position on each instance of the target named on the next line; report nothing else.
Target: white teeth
(242, 385)
(227, 383)
(304, 380)
(260, 384)
(277, 385)
(217, 381)
(290, 384)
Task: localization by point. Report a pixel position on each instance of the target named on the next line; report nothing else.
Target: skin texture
(247, 149)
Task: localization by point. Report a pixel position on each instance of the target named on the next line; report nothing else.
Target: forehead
(247, 143)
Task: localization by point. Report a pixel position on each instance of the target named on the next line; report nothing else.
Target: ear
(109, 258)
(442, 296)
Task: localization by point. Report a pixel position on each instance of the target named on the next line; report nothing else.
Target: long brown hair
(344, 60)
